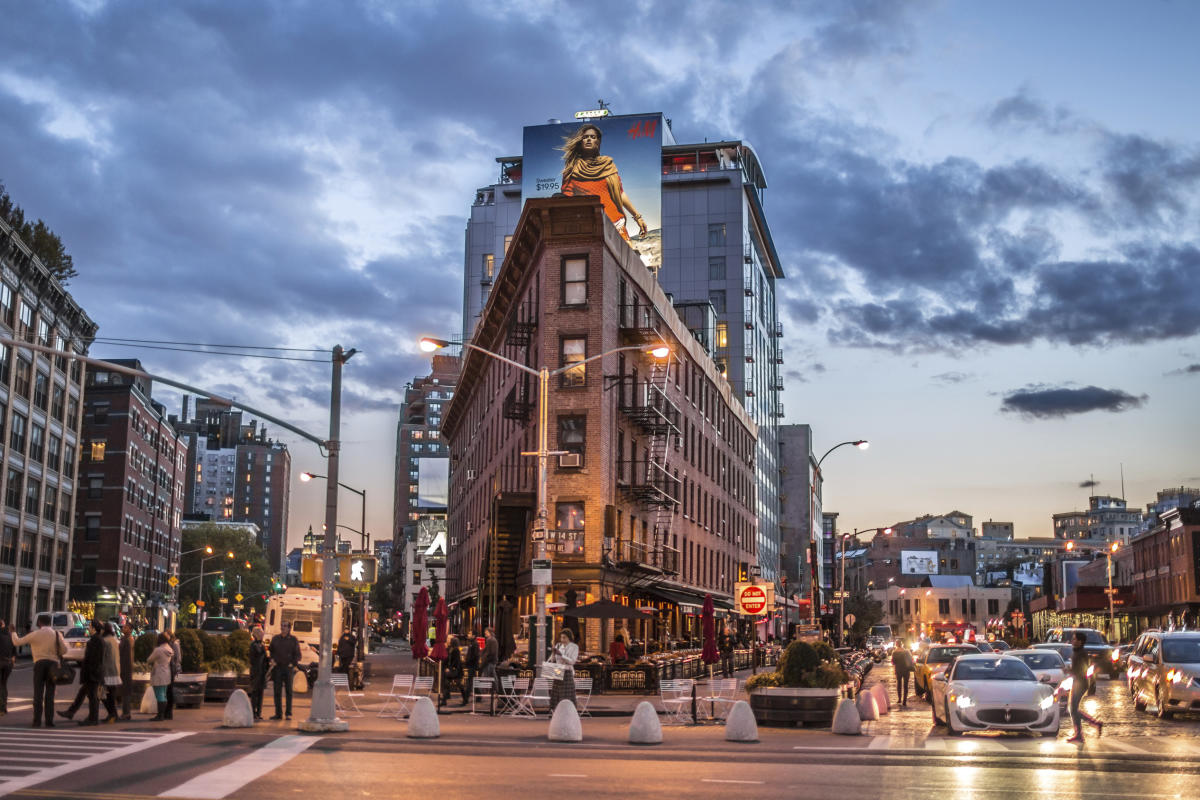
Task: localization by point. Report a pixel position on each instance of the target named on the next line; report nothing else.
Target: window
(569, 526)
(993, 608)
(24, 371)
(98, 450)
(51, 511)
(717, 298)
(6, 304)
(89, 572)
(574, 351)
(16, 437)
(8, 545)
(27, 550)
(37, 442)
(91, 525)
(33, 497)
(46, 554)
(489, 266)
(716, 234)
(95, 488)
(417, 576)
(716, 268)
(571, 434)
(507, 242)
(56, 402)
(100, 413)
(574, 280)
(26, 318)
(41, 390)
(5, 362)
(68, 466)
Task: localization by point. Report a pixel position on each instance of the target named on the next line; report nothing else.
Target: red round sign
(754, 600)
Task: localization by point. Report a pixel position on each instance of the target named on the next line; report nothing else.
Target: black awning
(685, 598)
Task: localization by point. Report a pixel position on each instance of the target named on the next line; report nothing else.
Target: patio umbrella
(708, 624)
(604, 609)
(420, 623)
(504, 629)
(441, 626)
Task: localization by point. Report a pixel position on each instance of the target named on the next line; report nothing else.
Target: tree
(256, 580)
(44, 243)
(867, 613)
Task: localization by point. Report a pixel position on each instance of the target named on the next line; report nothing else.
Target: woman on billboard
(586, 172)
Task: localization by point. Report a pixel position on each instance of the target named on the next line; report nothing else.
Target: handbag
(63, 673)
(555, 672)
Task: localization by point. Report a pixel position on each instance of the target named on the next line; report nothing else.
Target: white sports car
(993, 692)
(1047, 665)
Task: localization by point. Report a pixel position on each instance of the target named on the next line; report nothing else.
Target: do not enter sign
(753, 600)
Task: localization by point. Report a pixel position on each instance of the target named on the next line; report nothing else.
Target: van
(302, 608)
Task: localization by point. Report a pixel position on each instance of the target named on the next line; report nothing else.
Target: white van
(302, 608)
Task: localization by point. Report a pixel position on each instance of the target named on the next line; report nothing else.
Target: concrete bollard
(881, 698)
(740, 725)
(238, 713)
(868, 709)
(565, 725)
(846, 720)
(423, 721)
(645, 727)
(299, 682)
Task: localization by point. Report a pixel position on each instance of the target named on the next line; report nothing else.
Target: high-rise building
(422, 474)
(713, 249)
(237, 474)
(802, 550)
(128, 533)
(40, 417)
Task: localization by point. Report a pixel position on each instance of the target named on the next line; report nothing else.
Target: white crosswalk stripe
(29, 757)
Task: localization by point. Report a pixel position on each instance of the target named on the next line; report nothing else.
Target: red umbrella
(420, 622)
(709, 654)
(440, 621)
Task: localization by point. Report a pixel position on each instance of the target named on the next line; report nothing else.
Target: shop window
(569, 526)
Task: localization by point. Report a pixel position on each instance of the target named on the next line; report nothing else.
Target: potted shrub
(804, 687)
(141, 679)
(222, 677)
(190, 683)
(238, 644)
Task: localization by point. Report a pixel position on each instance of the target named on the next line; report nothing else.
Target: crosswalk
(30, 756)
(1150, 747)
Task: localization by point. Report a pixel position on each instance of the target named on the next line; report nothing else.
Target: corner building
(653, 499)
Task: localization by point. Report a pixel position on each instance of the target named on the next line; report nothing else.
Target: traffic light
(221, 583)
(743, 572)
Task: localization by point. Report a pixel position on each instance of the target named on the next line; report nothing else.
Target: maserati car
(993, 692)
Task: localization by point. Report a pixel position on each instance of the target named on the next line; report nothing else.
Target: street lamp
(1108, 552)
(842, 590)
(543, 453)
(305, 477)
(861, 444)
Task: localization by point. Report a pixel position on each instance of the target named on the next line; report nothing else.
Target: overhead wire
(218, 352)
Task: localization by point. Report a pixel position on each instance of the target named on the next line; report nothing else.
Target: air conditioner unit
(570, 460)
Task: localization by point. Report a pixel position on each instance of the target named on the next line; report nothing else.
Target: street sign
(172, 581)
(841, 595)
(191, 608)
(237, 606)
(541, 572)
(752, 599)
(850, 618)
(238, 597)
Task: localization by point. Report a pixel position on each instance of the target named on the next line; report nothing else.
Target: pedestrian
(347, 651)
(452, 671)
(1079, 687)
(176, 668)
(491, 654)
(285, 656)
(471, 665)
(112, 671)
(566, 653)
(725, 647)
(8, 657)
(902, 662)
(47, 647)
(160, 673)
(126, 659)
(91, 677)
(260, 664)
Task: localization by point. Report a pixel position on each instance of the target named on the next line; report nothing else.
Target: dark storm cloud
(1150, 178)
(1038, 402)
(1088, 484)
(1190, 369)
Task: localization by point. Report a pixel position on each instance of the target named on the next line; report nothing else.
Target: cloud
(1089, 484)
(1190, 369)
(1036, 402)
(954, 377)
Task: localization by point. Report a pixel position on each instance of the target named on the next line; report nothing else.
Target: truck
(302, 608)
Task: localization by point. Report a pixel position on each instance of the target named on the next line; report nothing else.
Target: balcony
(639, 325)
(517, 404)
(626, 552)
(650, 483)
(648, 406)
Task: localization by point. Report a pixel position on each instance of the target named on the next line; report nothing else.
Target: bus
(302, 608)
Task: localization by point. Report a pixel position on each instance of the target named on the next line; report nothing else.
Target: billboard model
(617, 159)
(1028, 574)
(918, 562)
(433, 482)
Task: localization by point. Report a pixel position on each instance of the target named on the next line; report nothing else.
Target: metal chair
(482, 687)
(676, 698)
(341, 686)
(583, 694)
(401, 690)
(538, 693)
(722, 694)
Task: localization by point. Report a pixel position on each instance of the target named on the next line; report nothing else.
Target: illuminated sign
(918, 562)
(595, 113)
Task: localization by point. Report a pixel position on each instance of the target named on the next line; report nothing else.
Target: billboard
(1070, 576)
(622, 165)
(433, 482)
(918, 562)
(1029, 573)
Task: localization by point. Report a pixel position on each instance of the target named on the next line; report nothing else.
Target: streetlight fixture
(861, 444)
(1108, 553)
(429, 344)
(842, 590)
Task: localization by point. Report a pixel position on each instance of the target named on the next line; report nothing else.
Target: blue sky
(987, 212)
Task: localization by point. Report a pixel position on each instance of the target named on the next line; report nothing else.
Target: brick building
(653, 500)
(1166, 563)
(127, 532)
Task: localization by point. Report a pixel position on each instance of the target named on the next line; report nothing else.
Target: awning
(688, 599)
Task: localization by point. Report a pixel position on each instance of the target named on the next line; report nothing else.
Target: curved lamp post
(861, 444)
(543, 453)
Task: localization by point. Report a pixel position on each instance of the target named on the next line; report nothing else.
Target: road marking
(66, 764)
(226, 780)
(1124, 747)
(935, 744)
(717, 780)
(566, 775)
(880, 743)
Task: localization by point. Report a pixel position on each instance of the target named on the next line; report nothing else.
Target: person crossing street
(902, 662)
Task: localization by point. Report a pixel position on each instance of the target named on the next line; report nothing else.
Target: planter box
(140, 681)
(789, 706)
(189, 688)
(218, 686)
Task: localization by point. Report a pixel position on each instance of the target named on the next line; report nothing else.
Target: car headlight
(1047, 702)
(1115, 656)
(1067, 683)
(962, 700)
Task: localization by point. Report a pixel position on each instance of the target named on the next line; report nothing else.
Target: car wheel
(950, 730)
(1160, 701)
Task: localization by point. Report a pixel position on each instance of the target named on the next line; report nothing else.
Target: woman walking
(111, 671)
(566, 653)
(160, 673)
(260, 665)
(1080, 666)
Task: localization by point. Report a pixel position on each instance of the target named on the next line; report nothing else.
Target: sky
(987, 213)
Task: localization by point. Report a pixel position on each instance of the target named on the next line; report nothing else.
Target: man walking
(1080, 665)
(285, 655)
(91, 676)
(491, 654)
(471, 664)
(725, 646)
(47, 647)
(8, 657)
(902, 661)
(126, 658)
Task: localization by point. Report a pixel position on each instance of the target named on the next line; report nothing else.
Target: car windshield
(1046, 660)
(76, 633)
(221, 625)
(999, 669)
(1181, 651)
(1090, 637)
(944, 655)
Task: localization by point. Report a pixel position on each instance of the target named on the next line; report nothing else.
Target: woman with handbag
(112, 671)
(566, 653)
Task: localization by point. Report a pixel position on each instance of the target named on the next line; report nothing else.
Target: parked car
(77, 639)
(989, 692)
(935, 660)
(1000, 646)
(1165, 671)
(1096, 646)
(222, 626)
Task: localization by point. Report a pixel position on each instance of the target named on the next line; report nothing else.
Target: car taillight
(1115, 656)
